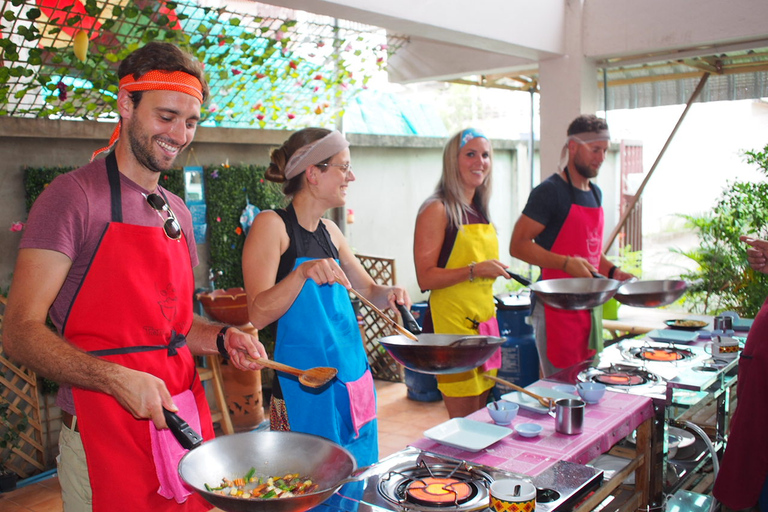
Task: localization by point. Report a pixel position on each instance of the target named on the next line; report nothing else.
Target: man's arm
(37, 279)
(202, 340)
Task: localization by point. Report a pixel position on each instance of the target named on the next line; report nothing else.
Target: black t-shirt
(550, 202)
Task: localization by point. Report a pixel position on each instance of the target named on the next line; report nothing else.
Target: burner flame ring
(439, 490)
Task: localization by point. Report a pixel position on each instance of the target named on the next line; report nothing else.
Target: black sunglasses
(171, 225)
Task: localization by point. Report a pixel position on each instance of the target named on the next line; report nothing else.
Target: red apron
(744, 465)
(567, 330)
(135, 298)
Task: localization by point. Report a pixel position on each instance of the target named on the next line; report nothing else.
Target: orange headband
(156, 80)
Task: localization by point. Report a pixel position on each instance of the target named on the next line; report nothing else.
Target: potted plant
(12, 424)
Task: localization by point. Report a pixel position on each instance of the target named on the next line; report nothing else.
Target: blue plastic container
(422, 387)
(519, 358)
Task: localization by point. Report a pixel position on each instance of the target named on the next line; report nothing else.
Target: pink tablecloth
(605, 424)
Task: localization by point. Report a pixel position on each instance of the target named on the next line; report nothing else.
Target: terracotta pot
(228, 306)
(242, 391)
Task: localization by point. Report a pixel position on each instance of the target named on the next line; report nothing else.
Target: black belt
(177, 341)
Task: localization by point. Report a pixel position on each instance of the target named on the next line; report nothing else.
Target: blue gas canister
(421, 387)
(519, 358)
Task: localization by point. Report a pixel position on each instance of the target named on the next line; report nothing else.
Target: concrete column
(568, 88)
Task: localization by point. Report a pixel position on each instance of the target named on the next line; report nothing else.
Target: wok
(439, 353)
(272, 454)
(651, 294)
(575, 292)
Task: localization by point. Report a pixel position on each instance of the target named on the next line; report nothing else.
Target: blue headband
(469, 134)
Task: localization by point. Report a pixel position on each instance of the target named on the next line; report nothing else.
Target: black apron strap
(114, 187)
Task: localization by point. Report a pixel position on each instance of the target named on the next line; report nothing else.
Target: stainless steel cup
(569, 416)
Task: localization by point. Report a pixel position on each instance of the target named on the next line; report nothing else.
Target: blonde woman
(456, 252)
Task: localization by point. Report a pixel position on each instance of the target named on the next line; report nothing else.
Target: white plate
(672, 335)
(467, 434)
(610, 465)
(686, 438)
(531, 404)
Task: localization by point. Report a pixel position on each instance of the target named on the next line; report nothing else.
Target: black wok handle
(520, 279)
(185, 434)
(408, 321)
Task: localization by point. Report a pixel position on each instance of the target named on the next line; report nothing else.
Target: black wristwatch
(220, 342)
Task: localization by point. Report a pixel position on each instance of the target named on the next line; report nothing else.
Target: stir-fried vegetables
(251, 486)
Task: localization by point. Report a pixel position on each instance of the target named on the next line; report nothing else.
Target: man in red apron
(109, 254)
(561, 231)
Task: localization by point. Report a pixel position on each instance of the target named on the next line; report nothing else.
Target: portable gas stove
(415, 480)
(649, 368)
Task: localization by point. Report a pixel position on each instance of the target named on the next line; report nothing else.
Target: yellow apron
(459, 308)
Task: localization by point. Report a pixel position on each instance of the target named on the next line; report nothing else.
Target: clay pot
(228, 306)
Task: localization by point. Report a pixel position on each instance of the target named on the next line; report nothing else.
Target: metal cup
(569, 416)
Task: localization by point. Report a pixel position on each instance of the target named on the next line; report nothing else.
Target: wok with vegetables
(252, 486)
(243, 459)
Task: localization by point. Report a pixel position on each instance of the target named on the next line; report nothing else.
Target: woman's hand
(490, 269)
(397, 295)
(757, 254)
(324, 271)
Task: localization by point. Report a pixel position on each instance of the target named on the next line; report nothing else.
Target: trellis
(383, 366)
(18, 387)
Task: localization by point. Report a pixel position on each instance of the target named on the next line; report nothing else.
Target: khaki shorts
(73, 473)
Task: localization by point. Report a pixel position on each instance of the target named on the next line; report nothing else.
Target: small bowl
(528, 429)
(591, 392)
(502, 412)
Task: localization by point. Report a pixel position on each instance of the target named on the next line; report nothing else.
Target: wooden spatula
(313, 377)
(545, 402)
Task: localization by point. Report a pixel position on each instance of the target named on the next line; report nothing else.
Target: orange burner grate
(434, 490)
(655, 354)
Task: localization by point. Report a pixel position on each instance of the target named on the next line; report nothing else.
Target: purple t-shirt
(70, 217)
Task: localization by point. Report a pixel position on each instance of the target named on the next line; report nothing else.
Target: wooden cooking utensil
(313, 377)
(545, 402)
(399, 328)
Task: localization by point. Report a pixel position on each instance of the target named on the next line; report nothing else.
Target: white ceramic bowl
(502, 412)
(565, 388)
(591, 392)
(528, 429)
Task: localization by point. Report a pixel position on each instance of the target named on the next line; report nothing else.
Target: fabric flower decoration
(215, 174)
(17, 226)
(239, 230)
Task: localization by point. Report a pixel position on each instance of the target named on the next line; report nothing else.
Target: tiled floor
(400, 421)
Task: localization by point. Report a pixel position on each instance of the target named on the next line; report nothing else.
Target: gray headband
(315, 152)
(581, 138)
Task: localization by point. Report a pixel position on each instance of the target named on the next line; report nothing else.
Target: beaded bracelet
(472, 272)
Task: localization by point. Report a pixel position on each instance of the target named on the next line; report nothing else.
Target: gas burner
(436, 486)
(658, 354)
(620, 375)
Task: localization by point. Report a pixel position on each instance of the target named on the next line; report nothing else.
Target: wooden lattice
(18, 387)
(383, 367)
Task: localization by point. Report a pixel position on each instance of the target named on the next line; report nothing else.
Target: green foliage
(630, 261)
(724, 281)
(226, 190)
(36, 179)
(12, 424)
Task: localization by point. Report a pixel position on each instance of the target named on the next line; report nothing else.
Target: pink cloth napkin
(491, 328)
(362, 401)
(167, 452)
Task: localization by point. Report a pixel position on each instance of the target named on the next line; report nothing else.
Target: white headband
(315, 152)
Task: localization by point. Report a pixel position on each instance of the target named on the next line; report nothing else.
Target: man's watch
(220, 342)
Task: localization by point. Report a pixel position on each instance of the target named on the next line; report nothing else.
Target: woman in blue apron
(297, 268)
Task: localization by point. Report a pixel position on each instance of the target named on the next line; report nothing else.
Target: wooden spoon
(545, 402)
(399, 328)
(313, 377)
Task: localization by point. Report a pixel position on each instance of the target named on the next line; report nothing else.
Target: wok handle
(184, 434)
(520, 279)
(408, 321)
